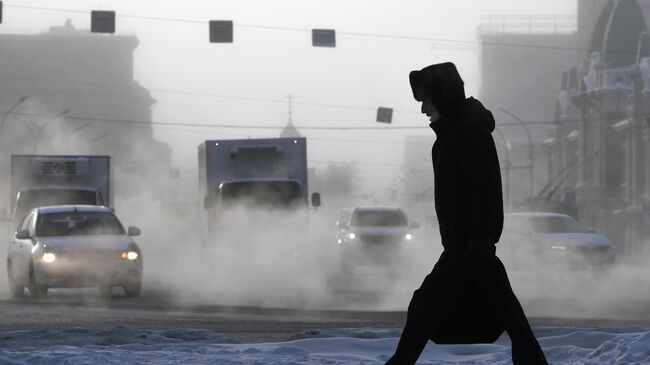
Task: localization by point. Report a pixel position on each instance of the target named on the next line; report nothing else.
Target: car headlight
(351, 236)
(408, 236)
(49, 257)
(130, 255)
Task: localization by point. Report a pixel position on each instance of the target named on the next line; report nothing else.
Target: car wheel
(15, 290)
(35, 289)
(133, 289)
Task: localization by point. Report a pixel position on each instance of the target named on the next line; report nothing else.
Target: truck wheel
(132, 290)
(35, 289)
(15, 290)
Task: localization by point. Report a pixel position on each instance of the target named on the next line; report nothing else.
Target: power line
(371, 141)
(206, 125)
(250, 126)
(211, 95)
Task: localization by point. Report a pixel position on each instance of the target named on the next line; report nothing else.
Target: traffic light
(221, 31)
(102, 21)
(323, 37)
(384, 115)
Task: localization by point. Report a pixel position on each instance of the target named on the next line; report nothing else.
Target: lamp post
(8, 113)
(40, 129)
(530, 149)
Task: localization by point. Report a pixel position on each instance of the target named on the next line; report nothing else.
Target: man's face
(427, 106)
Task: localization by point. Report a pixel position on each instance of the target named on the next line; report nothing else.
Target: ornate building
(599, 155)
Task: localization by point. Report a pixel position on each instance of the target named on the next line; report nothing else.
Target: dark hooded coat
(468, 196)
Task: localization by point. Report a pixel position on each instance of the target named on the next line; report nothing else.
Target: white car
(372, 235)
(71, 246)
(552, 240)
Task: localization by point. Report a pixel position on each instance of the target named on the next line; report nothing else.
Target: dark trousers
(440, 295)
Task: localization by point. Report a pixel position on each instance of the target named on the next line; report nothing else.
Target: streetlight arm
(8, 113)
(530, 147)
(530, 139)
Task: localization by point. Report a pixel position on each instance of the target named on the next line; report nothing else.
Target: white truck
(261, 175)
(42, 180)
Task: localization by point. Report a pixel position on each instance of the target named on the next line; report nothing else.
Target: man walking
(467, 297)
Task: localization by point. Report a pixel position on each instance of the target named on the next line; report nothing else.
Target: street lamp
(8, 113)
(40, 129)
(530, 148)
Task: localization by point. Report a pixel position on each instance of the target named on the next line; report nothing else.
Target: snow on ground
(123, 345)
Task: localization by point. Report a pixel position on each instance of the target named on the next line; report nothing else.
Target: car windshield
(370, 218)
(556, 225)
(344, 217)
(78, 224)
(31, 199)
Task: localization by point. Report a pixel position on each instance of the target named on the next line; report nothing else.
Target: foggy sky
(361, 72)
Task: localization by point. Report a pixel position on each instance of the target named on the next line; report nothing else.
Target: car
(72, 246)
(372, 235)
(552, 240)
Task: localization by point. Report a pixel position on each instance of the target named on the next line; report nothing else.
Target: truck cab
(256, 175)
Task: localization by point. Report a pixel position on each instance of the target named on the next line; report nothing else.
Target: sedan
(373, 235)
(73, 246)
(552, 240)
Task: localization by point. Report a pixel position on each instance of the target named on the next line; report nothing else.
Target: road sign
(384, 115)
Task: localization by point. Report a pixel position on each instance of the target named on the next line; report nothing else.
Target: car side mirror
(133, 231)
(415, 225)
(315, 200)
(23, 234)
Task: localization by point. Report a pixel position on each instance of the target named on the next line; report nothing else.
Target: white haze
(253, 264)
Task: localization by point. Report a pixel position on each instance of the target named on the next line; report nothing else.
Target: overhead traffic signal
(384, 115)
(102, 21)
(221, 31)
(323, 37)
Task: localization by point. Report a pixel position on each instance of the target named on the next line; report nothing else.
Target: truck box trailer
(41, 180)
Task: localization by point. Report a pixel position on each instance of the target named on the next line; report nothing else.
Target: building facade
(69, 91)
(598, 155)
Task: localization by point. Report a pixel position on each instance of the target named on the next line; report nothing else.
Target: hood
(442, 83)
(78, 244)
(380, 231)
(475, 111)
